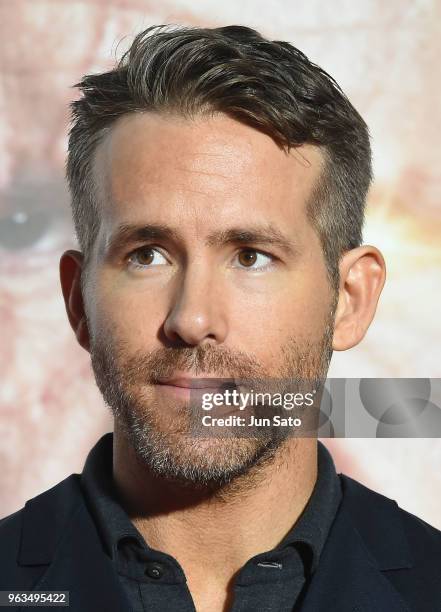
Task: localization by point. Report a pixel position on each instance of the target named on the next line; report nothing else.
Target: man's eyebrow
(126, 234)
(259, 234)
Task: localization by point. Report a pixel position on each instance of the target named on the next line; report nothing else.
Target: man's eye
(146, 257)
(256, 260)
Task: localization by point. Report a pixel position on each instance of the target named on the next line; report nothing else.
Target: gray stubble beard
(213, 464)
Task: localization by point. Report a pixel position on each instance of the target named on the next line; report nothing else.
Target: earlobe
(71, 267)
(82, 334)
(362, 277)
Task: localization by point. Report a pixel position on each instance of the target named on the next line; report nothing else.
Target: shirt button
(154, 570)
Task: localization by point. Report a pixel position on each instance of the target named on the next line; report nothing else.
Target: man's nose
(197, 314)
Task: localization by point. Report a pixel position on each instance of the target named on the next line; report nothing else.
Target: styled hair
(268, 85)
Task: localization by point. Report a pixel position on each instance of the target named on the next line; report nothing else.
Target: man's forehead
(216, 144)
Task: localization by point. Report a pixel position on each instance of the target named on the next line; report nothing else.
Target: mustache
(162, 362)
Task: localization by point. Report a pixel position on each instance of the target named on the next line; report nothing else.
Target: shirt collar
(308, 535)
(312, 527)
(112, 520)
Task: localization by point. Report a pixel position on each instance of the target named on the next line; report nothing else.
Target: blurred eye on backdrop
(34, 221)
(23, 229)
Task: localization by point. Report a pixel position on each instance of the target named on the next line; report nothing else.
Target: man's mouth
(191, 387)
(190, 382)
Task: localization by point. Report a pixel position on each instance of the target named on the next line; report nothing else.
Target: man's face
(227, 279)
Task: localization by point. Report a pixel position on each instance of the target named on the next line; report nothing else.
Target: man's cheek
(127, 322)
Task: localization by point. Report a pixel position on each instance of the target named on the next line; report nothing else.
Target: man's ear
(71, 267)
(362, 277)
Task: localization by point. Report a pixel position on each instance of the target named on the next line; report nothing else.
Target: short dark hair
(269, 85)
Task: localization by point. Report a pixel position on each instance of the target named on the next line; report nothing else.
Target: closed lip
(191, 383)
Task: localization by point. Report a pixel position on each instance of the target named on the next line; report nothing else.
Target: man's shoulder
(68, 484)
(51, 508)
(365, 505)
(63, 495)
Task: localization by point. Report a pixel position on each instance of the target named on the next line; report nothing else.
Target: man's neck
(217, 532)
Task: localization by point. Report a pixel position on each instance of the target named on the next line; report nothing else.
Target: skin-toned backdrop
(385, 58)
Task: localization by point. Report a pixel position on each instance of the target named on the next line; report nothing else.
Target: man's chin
(210, 463)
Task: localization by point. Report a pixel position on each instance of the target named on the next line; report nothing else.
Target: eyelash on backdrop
(138, 266)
